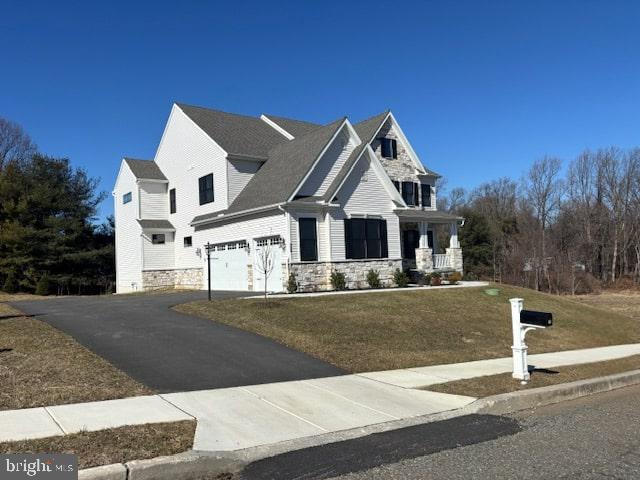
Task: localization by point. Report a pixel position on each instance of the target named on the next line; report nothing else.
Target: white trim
(241, 213)
(150, 180)
(276, 127)
(315, 163)
(197, 126)
(403, 137)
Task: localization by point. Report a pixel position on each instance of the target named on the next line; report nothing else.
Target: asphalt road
(169, 351)
(595, 437)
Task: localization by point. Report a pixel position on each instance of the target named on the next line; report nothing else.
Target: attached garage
(229, 266)
(268, 250)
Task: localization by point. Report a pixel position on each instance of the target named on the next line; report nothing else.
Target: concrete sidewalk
(243, 417)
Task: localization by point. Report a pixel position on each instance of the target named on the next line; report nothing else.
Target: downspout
(287, 219)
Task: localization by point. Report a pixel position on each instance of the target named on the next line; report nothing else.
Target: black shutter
(396, 184)
(348, 239)
(426, 195)
(394, 149)
(416, 193)
(384, 147)
(172, 200)
(383, 239)
(430, 238)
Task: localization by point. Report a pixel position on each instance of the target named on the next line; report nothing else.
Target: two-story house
(308, 198)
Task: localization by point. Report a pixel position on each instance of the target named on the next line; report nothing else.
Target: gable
(329, 165)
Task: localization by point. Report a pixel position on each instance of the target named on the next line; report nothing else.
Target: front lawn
(416, 328)
(503, 383)
(40, 365)
(116, 445)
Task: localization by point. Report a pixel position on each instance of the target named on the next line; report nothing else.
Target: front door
(410, 241)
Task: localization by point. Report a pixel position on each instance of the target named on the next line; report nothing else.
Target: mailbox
(538, 319)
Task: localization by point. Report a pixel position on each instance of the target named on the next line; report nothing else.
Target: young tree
(265, 263)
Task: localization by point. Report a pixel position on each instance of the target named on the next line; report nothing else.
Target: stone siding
(184, 278)
(158, 279)
(316, 276)
(189, 278)
(455, 259)
(424, 259)
(401, 168)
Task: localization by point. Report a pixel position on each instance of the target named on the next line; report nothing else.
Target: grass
(626, 302)
(416, 328)
(503, 383)
(116, 445)
(39, 365)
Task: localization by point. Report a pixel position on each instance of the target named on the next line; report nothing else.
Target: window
(396, 184)
(389, 148)
(308, 240)
(157, 238)
(188, 242)
(410, 193)
(365, 238)
(172, 200)
(205, 186)
(126, 198)
(426, 195)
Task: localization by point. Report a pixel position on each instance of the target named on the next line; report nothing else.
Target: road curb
(538, 397)
(194, 464)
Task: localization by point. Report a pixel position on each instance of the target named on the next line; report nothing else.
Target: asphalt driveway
(170, 351)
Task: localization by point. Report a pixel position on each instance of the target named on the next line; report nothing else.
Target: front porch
(421, 251)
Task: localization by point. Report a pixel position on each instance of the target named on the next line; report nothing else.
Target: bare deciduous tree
(265, 262)
(15, 144)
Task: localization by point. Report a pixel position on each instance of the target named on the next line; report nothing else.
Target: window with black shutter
(308, 239)
(407, 192)
(172, 200)
(389, 147)
(365, 238)
(205, 187)
(426, 195)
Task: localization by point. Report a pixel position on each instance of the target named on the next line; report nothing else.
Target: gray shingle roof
(157, 224)
(236, 134)
(296, 128)
(278, 178)
(145, 169)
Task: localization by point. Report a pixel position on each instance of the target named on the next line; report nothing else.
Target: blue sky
(480, 88)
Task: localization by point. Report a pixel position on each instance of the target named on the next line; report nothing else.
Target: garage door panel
(229, 267)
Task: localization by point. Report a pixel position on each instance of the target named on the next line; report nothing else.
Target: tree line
(561, 230)
(49, 239)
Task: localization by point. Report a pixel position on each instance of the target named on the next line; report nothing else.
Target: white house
(317, 198)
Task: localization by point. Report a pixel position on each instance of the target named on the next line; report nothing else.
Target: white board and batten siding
(329, 165)
(363, 194)
(185, 154)
(128, 231)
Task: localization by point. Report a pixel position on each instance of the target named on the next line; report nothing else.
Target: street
(593, 437)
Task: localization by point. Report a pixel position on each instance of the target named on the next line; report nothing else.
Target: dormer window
(205, 187)
(389, 147)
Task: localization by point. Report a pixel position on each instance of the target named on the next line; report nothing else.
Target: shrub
(10, 284)
(436, 279)
(470, 277)
(373, 279)
(400, 278)
(427, 279)
(292, 284)
(454, 278)
(338, 280)
(43, 286)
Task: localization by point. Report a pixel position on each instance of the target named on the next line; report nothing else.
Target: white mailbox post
(520, 327)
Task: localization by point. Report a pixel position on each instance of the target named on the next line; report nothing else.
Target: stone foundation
(182, 278)
(316, 276)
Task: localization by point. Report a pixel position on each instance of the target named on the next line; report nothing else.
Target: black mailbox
(539, 319)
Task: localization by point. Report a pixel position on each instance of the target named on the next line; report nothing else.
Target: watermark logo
(47, 466)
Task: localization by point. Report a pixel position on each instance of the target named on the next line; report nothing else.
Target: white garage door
(269, 250)
(229, 266)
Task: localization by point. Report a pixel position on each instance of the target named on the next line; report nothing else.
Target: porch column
(453, 241)
(454, 252)
(424, 239)
(424, 254)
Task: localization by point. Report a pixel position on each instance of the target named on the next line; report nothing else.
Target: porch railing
(441, 260)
